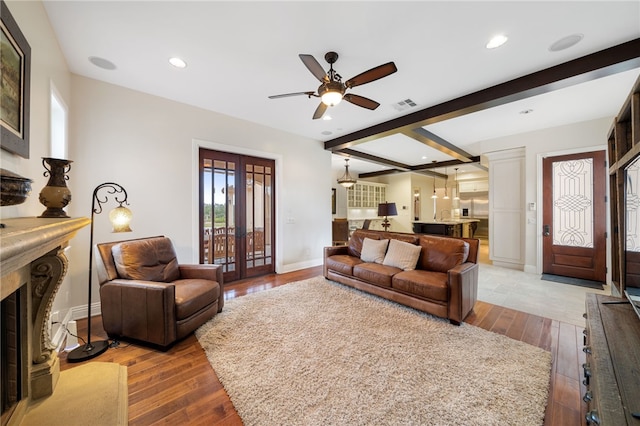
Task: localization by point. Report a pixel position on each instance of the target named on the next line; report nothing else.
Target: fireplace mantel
(32, 261)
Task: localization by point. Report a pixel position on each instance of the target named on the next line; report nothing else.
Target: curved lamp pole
(120, 218)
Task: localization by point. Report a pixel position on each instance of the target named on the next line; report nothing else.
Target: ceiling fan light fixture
(331, 93)
(331, 98)
(346, 180)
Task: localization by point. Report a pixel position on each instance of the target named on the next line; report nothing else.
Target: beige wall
(149, 145)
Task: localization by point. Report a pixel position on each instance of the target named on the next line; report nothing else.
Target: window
(58, 125)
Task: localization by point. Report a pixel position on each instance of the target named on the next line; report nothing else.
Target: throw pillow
(402, 255)
(373, 250)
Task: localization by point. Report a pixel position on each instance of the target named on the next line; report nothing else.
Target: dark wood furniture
(612, 345)
(624, 148)
(340, 231)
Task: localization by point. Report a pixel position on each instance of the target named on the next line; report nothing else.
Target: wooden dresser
(612, 369)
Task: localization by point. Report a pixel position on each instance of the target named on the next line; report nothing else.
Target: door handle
(545, 230)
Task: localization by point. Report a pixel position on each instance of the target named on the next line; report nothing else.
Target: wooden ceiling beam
(616, 59)
(436, 142)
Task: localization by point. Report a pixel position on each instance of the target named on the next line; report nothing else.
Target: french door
(237, 213)
(574, 215)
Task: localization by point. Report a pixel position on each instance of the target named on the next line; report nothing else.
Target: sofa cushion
(342, 263)
(441, 253)
(373, 250)
(192, 295)
(427, 284)
(402, 255)
(374, 273)
(152, 259)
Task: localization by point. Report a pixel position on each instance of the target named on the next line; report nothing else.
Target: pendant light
(346, 180)
(446, 196)
(457, 197)
(434, 196)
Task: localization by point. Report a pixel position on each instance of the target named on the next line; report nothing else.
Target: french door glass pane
(219, 213)
(258, 204)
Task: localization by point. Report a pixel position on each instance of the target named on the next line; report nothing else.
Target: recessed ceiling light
(424, 157)
(566, 42)
(102, 63)
(177, 62)
(497, 41)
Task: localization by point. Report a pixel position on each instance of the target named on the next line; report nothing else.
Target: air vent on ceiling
(404, 105)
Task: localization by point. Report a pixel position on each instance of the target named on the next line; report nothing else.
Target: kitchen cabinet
(473, 186)
(366, 195)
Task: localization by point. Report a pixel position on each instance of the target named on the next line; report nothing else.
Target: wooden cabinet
(623, 149)
(366, 195)
(473, 185)
(612, 342)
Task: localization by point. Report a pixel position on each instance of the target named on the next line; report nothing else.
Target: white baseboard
(81, 312)
(300, 265)
(75, 313)
(58, 338)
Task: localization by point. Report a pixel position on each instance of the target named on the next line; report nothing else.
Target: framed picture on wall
(15, 55)
(333, 201)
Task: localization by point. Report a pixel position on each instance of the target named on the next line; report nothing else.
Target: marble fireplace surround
(32, 260)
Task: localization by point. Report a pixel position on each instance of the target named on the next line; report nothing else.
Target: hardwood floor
(179, 387)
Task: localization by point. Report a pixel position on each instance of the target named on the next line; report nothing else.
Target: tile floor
(528, 293)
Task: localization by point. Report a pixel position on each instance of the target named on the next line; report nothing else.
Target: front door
(574, 215)
(237, 206)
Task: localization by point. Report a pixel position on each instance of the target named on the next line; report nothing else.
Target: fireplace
(12, 310)
(32, 265)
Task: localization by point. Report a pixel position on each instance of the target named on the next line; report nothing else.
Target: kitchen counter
(450, 221)
(464, 227)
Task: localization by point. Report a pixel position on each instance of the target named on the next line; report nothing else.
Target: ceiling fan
(332, 90)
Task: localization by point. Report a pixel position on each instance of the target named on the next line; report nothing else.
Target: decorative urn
(55, 195)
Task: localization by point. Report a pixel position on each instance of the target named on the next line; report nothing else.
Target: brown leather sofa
(145, 295)
(444, 282)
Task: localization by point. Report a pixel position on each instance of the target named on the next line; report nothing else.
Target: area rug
(573, 281)
(95, 393)
(316, 352)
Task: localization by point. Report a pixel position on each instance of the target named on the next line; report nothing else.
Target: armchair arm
(201, 271)
(463, 291)
(143, 310)
(205, 272)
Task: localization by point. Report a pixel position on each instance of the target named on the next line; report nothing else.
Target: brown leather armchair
(145, 295)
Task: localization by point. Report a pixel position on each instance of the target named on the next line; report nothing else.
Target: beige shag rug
(318, 353)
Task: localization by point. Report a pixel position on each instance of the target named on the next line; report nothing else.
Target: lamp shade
(120, 218)
(387, 209)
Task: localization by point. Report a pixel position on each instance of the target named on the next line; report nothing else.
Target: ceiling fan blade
(286, 95)
(361, 101)
(319, 111)
(372, 75)
(316, 69)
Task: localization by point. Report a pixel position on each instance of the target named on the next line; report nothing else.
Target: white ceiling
(238, 53)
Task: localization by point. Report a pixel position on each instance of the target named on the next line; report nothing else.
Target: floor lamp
(120, 218)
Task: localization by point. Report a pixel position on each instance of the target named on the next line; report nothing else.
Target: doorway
(237, 213)
(574, 216)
